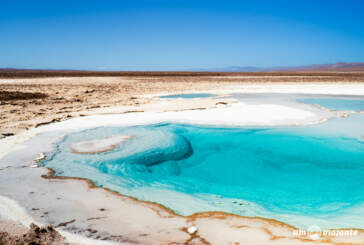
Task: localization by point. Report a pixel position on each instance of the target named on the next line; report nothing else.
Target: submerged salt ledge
(147, 147)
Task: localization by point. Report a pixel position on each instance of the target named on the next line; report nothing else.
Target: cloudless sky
(178, 34)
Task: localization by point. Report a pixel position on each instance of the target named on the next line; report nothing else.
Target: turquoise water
(188, 96)
(248, 171)
(336, 104)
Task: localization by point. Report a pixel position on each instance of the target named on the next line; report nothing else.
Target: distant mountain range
(340, 66)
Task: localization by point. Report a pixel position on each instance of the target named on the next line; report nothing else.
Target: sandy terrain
(69, 97)
(132, 221)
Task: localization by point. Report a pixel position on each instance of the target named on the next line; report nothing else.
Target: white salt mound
(98, 145)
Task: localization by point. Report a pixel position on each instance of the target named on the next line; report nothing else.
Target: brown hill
(229, 71)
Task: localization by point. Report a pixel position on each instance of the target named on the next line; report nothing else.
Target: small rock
(4, 167)
(7, 134)
(192, 230)
(40, 157)
(221, 104)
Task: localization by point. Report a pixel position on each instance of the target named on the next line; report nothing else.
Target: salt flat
(131, 219)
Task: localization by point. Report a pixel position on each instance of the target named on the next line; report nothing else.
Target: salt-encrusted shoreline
(232, 114)
(238, 114)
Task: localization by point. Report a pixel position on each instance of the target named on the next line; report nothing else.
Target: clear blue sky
(176, 34)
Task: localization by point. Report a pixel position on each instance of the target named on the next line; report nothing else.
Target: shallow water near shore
(291, 174)
(336, 104)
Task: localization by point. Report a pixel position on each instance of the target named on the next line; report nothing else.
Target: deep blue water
(336, 104)
(187, 96)
(281, 170)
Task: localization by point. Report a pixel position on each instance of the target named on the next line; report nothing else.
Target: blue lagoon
(292, 174)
